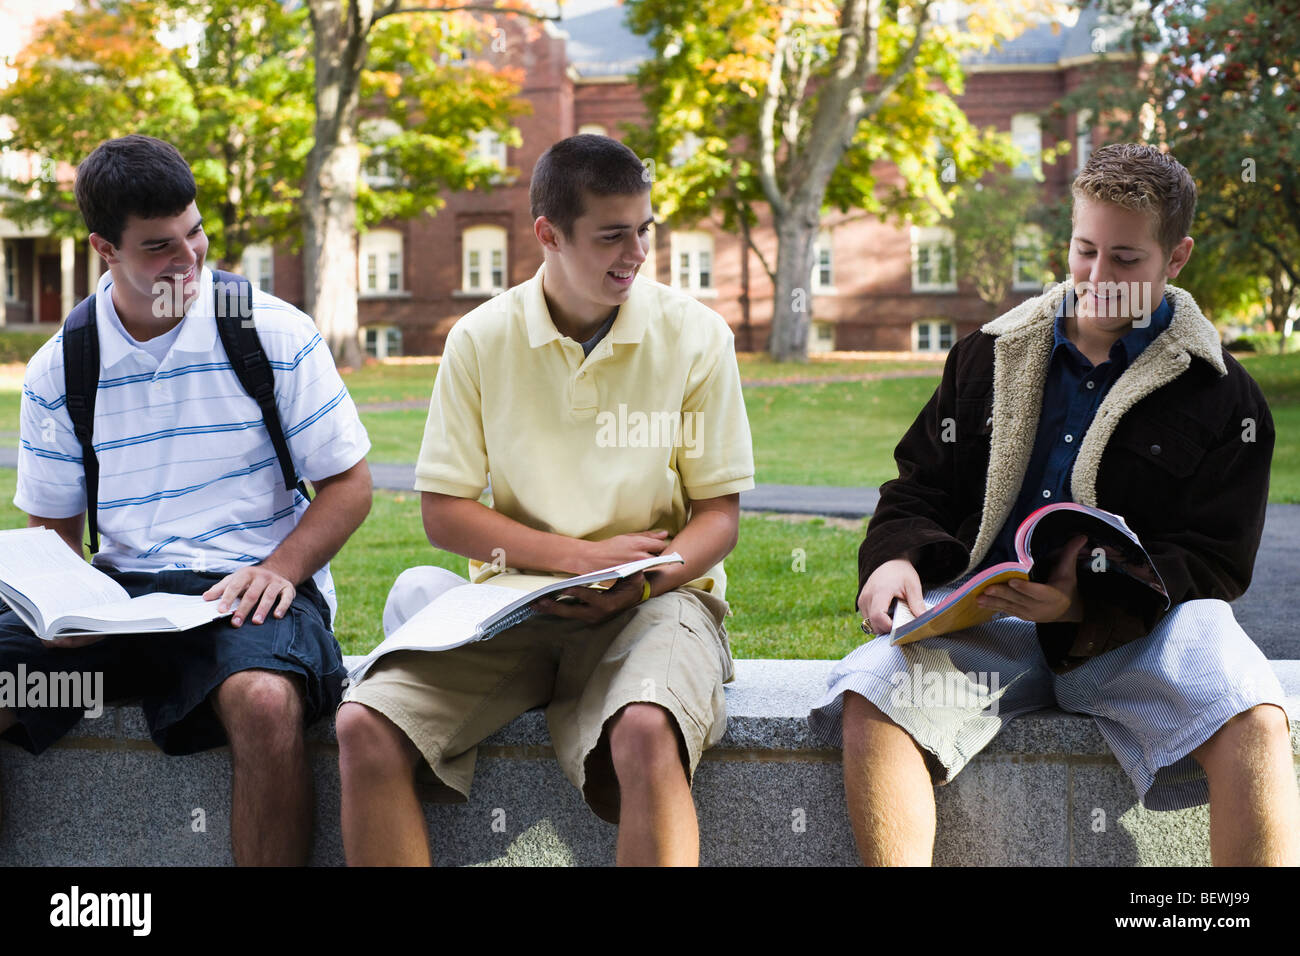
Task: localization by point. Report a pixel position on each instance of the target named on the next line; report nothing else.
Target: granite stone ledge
(767, 709)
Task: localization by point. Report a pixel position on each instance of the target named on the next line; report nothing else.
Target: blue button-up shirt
(1072, 394)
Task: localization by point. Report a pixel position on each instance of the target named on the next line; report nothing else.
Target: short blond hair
(1141, 177)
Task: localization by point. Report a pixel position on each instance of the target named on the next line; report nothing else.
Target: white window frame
(823, 253)
(1082, 138)
(1027, 135)
(821, 337)
(489, 146)
(693, 254)
(1028, 238)
(928, 248)
(378, 170)
(381, 264)
(928, 335)
(596, 128)
(484, 265)
(258, 266)
(376, 341)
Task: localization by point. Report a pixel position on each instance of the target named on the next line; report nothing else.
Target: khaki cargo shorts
(671, 651)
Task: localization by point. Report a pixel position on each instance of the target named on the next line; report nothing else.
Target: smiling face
(156, 268)
(590, 273)
(1119, 267)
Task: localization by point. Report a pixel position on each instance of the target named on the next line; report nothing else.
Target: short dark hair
(134, 175)
(1141, 177)
(585, 163)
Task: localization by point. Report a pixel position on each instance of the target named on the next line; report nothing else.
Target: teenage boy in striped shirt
(191, 499)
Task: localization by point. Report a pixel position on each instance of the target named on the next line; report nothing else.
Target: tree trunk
(744, 283)
(792, 299)
(333, 170)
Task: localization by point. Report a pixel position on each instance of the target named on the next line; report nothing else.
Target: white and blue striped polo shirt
(187, 474)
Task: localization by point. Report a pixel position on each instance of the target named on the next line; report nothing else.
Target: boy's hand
(621, 549)
(593, 605)
(893, 579)
(1055, 600)
(255, 590)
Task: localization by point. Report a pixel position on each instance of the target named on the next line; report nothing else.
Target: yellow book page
(962, 614)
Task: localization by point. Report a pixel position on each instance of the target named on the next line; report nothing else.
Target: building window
(381, 341)
(381, 262)
(379, 170)
(258, 265)
(596, 128)
(484, 264)
(1027, 136)
(489, 148)
(823, 273)
(933, 335)
(1030, 256)
(1082, 138)
(692, 254)
(11, 271)
(933, 268)
(687, 147)
(821, 337)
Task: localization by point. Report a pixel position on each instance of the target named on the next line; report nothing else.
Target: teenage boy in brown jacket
(1111, 390)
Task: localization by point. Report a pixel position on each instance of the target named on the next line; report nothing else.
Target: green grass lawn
(778, 611)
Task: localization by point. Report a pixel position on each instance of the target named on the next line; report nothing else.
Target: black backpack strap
(80, 383)
(234, 314)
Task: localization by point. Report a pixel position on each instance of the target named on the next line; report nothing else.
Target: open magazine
(462, 613)
(1112, 548)
(57, 594)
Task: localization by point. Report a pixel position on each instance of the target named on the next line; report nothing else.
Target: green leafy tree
(417, 63)
(275, 139)
(1221, 91)
(232, 96)
(988, 219)
(797, 106)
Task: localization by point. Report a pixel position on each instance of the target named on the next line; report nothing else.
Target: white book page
(40, 565)
(902, 615)
(157, 611)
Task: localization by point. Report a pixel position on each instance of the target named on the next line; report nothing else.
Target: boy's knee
(643, 740)
(260, 704)
(1252, 731)
(369, 741)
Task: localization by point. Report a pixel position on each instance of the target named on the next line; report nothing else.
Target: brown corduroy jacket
(1180, 447)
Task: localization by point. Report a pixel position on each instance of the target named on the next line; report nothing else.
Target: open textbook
(58, 594)
(1112, 547)
(461, 613)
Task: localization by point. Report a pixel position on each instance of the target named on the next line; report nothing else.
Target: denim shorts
(174, 674)
(1155, 699)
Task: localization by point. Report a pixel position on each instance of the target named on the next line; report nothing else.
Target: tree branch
(767, 121)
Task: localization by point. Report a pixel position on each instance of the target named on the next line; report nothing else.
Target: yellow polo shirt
(611, 443)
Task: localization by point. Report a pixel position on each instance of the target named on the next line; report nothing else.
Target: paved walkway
(1264, 611)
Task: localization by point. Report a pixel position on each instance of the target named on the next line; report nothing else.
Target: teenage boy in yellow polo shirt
(559, 389)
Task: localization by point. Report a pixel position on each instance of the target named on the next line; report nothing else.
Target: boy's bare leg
(383, 822)
(271, 802)
(657, 823)
(887, 787)
(1254, 802)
